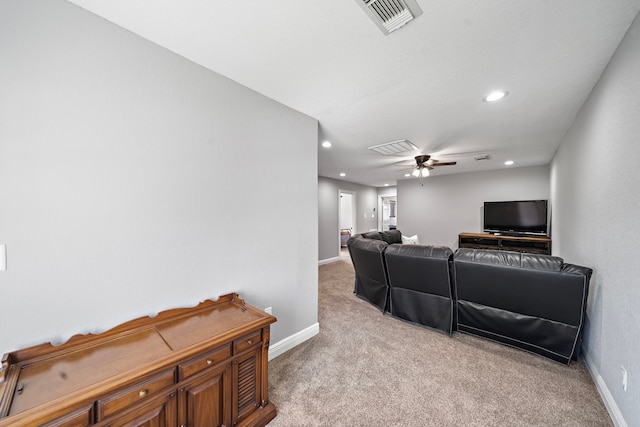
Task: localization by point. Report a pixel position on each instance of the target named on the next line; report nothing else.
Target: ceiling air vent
(394, 148)
(481, 157)
(389, 15)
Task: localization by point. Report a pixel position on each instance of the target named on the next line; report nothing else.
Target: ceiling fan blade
(444, 164)
(405, 162)
(407, 166)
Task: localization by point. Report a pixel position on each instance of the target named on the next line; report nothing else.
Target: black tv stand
(503, 242)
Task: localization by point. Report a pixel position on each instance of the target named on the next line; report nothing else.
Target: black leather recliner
(533, 302)
(420, 285)
(367, 255)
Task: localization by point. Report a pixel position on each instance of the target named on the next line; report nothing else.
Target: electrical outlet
(624, 378)
(268, 310)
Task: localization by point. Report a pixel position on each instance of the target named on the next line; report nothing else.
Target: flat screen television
(518, 217)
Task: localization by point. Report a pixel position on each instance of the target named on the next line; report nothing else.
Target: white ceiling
(425, 82)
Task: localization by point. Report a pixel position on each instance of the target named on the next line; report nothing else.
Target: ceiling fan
(424, 163)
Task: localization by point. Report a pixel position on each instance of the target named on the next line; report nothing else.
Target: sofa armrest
(577, 269)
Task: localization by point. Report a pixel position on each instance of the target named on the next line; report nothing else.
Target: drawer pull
(250, 342)
(143, 393)
(209, 361)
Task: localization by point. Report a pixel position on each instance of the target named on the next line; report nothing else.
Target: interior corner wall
(596, 222)
(133, 180)
(329, 211)
(448, 205)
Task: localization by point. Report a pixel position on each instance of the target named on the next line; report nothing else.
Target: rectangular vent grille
(394, 148)
(392, 14)
(481, 157)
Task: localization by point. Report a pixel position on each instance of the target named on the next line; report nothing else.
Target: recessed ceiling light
(508, 162)
(343, 174)
(407, 174)
(386, 185)
(495, 96)
(326, 144)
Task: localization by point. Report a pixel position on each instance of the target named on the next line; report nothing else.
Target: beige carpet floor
(366, 369)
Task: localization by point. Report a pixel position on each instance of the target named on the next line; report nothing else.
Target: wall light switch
(3, 257)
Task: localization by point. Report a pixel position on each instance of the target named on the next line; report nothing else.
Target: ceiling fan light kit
(423, 172)
(424, 163)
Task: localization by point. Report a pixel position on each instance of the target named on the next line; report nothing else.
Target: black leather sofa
(529, 301)
(410, 282)
(533, 302)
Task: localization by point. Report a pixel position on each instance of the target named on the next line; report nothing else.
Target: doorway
(388, 207)
(346, 217)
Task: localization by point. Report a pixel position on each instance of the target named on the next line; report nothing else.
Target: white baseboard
(605, 394)
(328, 260)
(288, 343)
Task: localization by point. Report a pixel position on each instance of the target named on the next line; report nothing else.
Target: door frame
(381, 209)
(354, 214)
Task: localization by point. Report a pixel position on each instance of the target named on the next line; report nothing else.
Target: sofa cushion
(375, 235)
(391, 236)
(511, 259)
(413, 240)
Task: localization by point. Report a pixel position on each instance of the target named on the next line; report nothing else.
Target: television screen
(516, 217)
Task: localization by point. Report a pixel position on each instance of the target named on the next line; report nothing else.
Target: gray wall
(387, 191)
(450, 204)
(328, 213)
(596, 222)
(132, 181)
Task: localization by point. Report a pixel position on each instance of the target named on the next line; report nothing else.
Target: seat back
(420, 285)
(531, 301)
(367, 256)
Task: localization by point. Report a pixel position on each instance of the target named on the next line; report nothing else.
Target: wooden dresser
(200, 366)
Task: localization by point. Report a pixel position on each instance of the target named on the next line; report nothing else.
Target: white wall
(328, 210)
(596, 222)
(132, 181)
(451, 204)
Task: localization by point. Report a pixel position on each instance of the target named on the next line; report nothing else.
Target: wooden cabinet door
(206, 402)
(158, 413)
(246, 384)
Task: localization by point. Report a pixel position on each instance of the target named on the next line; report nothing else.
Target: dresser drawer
(82, 417)
(143, 390)
(211, 358)
(246, 342)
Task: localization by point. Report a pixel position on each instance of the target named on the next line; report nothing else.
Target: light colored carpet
(366, 369)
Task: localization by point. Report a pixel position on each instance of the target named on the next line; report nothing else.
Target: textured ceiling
(425, 82)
